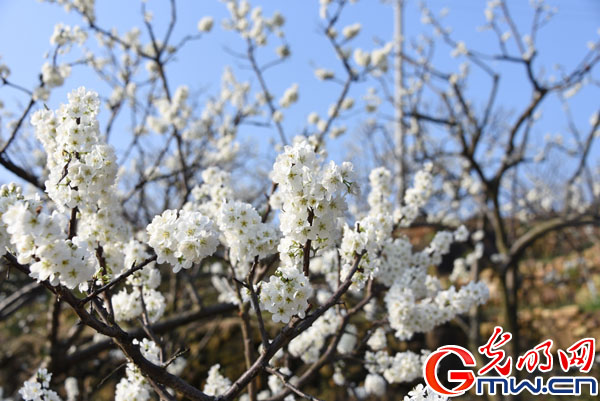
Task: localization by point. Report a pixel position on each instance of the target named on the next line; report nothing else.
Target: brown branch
(586, 149)
(53, 327)
(329, 353)
(288, 333)
(20, 172)
(73, 223)
(290, 386)
(265, 216)
(148, 329)
(118, 279)
(525, 115)
(245, 326)
(18, 299)
(306, 249)
(123, 340)
(545, 227)
(265, 89)
(164, 326)
(256, 305)
(15, 130)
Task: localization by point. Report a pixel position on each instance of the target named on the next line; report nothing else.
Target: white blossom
(216, 384)
(182, 239)
(205, 24)
(286, 294)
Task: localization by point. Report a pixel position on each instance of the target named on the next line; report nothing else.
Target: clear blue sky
(26, 25)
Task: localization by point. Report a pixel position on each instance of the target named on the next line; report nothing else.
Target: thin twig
(118, 279)
(286, 383)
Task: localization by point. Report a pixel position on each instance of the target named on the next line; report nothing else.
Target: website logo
(578, 356)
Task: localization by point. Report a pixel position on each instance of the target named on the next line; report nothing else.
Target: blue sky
(26, 26)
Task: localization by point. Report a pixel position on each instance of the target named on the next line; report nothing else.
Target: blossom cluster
(398, 256)
(245, 234)
(377, 341)
(182, 238)
(64, 36)
(128, 305)
(53, 76)
(134, 386)
(81, 178)
(173, 112)
(217, 124)
(38, 238)
(403, 367)
(216, 383)
(416, 196)
(251, 23)
(9, 195)
(384, 369)
(205, 24)
(373, 235)
(290, 96)
(311, 198)
(82, 168)
(38, 388)
(85, 7)
(286, 294)
(209, 197)
(377, 59)
(372, 230)
(308, 344)
(326, 265)
(408, 314)
(462, 265)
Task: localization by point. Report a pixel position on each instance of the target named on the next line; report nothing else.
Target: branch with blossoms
(489, 159)
(84, 248)
(167, 247)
